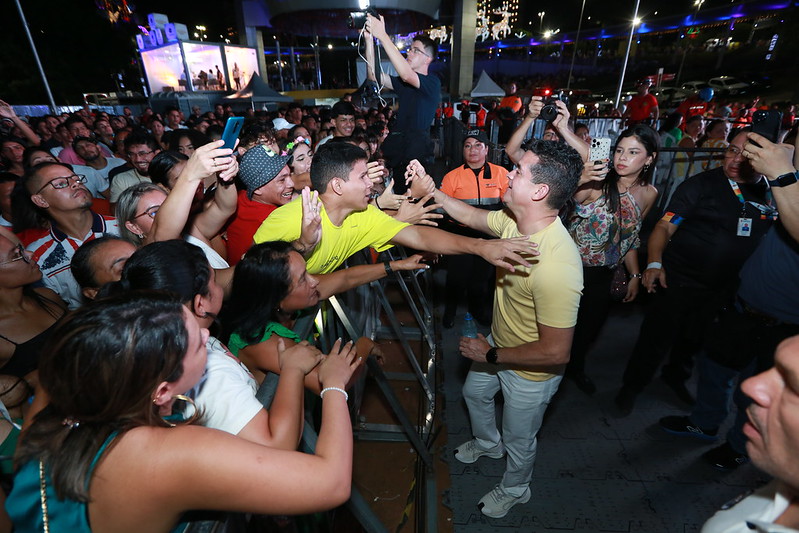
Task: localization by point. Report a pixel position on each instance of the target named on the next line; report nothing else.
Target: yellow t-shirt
(368, 228)
(547, 292)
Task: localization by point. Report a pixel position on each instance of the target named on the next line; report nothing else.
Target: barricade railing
(676, 164)
(362, 312)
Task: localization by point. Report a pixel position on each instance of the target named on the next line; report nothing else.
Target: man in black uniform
(419, 95)
(713, 223)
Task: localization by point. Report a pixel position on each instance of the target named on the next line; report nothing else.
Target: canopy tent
(486, 87)
(258, 91)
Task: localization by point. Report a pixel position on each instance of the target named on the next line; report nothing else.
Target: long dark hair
(100, 369)
(650, 139)
(174, 266)
(260, 283)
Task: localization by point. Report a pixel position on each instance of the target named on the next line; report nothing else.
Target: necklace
(627, 188)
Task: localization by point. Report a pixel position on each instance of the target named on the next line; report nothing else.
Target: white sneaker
(469, 452)
(497, 503)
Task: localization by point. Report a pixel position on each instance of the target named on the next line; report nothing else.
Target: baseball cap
(480, 135)
(260, 165)
(281, 124)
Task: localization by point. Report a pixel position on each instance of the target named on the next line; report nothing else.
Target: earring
(177, 417)
(646, 168)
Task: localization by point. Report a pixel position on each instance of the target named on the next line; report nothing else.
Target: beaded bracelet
(342, 391)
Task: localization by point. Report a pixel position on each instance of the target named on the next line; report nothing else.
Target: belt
(764, 318)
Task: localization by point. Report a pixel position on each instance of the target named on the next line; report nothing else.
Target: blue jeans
(526, 402)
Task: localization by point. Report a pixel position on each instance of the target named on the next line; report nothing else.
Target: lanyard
(767, 212)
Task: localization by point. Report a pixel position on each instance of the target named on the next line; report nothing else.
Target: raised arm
(385, 80)
(173, 215)
(377, 28)
(212, 219)
(464, 213)
(774, 160)
(6, 111)
(514, 146)
(561, 124)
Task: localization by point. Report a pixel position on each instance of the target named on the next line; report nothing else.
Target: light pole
(635, 22)
(697, 5)
(574, 54)
(53, 109)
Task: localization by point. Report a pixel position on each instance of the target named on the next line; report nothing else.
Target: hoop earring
(186, 421)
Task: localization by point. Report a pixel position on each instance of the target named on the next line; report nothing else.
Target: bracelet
(342, 391)
(387, 265)
(377, 204)
(639, 275)
(654, 264)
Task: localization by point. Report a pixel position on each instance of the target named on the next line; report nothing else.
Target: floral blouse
(602, 239)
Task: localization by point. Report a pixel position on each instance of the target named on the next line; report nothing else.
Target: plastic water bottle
(469, 327)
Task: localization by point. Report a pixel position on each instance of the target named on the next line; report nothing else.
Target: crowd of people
(150, 281)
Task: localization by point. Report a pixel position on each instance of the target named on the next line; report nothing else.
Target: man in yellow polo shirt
(340, 222)
(535, 310)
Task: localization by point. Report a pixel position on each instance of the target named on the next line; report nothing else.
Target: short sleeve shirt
(417, 107)
(361, 229)
(547, 292)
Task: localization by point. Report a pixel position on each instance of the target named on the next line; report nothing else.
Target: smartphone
(600, 149)
(232, 130)
(767, 123)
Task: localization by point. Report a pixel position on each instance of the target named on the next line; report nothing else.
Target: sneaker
(682, 426)
(469, 452)
(725, 458)
(497, 503)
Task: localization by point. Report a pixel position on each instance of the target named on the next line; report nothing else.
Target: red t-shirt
(641, 107)
(246, 221)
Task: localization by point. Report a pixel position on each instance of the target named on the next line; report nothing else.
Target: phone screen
(232, 130)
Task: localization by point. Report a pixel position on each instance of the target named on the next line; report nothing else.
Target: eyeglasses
(732, 151)
(150, 212)
(63, 182)
(21, 255)
(418, 51)
(131, 155)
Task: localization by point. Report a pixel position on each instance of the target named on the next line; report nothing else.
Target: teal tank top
(24, 504)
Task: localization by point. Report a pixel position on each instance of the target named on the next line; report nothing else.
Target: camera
(357, 19)
(550, 111)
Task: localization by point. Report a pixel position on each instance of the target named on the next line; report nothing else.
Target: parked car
(694, 86)
(670, 96)
(728, 85)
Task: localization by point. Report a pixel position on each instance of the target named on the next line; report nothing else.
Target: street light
(574, 53)
(541, 17)
(635, 22)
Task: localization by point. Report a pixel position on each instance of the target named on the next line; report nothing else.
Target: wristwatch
(784, 180)
(491, 355)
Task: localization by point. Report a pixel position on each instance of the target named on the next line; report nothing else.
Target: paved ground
(595, 471)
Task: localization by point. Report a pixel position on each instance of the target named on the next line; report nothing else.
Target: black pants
(742, 342)
(400, 148)
(675, 324)
(471, 275)
(594, 306)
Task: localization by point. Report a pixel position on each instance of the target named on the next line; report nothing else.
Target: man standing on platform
(419, 94)
(535, 311)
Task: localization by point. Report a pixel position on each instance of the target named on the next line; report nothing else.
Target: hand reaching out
(413, 262)
(499, 251)
(6, 111)
(338, 366)
(389, 200)
(418, 213)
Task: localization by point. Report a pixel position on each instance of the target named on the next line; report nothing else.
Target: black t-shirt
(706, 250)
(417, 107)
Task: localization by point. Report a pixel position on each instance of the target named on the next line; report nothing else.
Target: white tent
(486, 87)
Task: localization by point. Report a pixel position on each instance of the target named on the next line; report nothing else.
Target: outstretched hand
(418, 213)
(338, 366)
(499, 252)
(413, 262)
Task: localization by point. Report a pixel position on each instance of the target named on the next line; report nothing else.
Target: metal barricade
(676, 164)
(361, 313)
